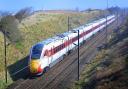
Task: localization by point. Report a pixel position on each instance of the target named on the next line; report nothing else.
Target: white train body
(48, 52)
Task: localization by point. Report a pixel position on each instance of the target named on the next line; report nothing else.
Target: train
(45, 54)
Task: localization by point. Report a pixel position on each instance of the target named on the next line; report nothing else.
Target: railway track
(62, 80)
(72, 70)
(63, 74)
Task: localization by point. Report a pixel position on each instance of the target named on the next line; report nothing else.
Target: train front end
(35, 60)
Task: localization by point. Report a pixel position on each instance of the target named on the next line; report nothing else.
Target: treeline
(9, 23)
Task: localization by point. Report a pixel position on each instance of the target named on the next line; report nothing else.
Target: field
(35, 28)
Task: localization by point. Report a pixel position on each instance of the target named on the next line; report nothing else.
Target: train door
(83, 36)
(52, 56)
(68, 45)
(64, 45)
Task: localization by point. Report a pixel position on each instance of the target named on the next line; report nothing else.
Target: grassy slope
(115, 76)
(37, 27)
(109, 69)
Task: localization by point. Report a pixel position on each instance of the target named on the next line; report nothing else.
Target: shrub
(9, 25)
(23, 13)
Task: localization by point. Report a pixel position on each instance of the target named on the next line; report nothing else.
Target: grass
(98, 75)
(94, 71)
(117, 72)
(3, 84)
(19, 45)
(38, 27)
(86, 75)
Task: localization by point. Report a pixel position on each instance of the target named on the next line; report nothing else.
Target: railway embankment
(109, 68)
(33, 29)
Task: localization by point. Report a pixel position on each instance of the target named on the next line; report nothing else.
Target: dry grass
(115, 76)
(108, 70)
(90, 68)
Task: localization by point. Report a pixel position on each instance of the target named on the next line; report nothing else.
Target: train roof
(57, 37)
(63, 34)
(49, 40)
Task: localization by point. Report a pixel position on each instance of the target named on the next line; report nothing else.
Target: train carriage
(47, 53)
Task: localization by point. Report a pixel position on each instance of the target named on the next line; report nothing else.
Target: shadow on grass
(119, 37)
(114, 77)
(19, 70)
(117, 78)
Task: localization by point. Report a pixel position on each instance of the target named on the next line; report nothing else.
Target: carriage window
(46, 53)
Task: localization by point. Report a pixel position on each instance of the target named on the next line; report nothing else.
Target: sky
(15, 5)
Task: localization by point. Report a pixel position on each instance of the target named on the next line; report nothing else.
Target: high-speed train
(47, 53)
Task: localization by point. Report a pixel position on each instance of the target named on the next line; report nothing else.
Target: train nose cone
(34, 65)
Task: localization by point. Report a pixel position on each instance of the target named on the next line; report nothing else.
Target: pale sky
(15, 5)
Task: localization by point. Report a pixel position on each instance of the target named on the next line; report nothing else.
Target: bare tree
(9, 25)
(23, 13)
(77, 9)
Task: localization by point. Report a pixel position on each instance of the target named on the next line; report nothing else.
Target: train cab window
(36, 51)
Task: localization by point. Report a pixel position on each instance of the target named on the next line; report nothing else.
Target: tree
(77, 9)
(89, 9)
(23, 13)
(9, 25)
(114, 10)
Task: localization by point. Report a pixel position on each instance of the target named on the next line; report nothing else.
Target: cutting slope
(37, 27)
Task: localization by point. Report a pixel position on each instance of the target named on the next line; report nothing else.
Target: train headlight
(34, 65)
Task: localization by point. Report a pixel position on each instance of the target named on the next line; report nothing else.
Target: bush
(9, 25)
(23, 13)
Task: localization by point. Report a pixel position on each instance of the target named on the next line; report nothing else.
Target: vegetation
(22, 34)
(23, 13)
(9, 26)
(109, 69)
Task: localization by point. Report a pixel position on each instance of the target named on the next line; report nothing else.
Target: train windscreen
(36, 51)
